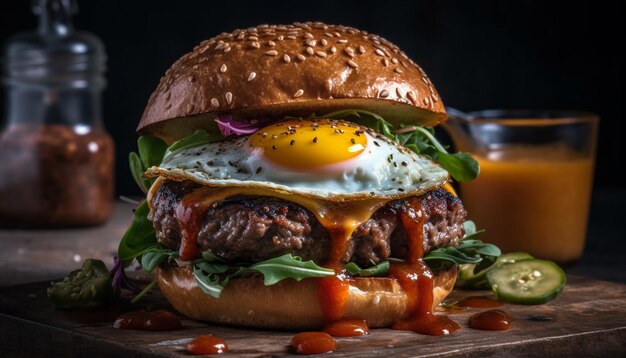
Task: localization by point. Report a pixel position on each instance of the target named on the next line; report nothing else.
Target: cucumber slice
(468, 279)
(527, 282)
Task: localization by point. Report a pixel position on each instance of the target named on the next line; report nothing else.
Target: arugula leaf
(209, 282)
(460, 165)
(154, 256)
(378, 270)
(288, 266)
(199, 137)
(137, 170)
(469, 251)
(151, 150)
(139, 237)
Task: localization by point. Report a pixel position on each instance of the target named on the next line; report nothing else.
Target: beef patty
(256, 228)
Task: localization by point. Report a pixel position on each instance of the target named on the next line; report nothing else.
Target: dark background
(480, 54)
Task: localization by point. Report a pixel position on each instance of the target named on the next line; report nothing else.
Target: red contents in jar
(492, 320)
(347, 328)
(479, 302)
(207, 345)
(55, 175)
(159, 320)
(313, 343)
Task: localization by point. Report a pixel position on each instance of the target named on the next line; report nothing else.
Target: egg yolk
(309, 144)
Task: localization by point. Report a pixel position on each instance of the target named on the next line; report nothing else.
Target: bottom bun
(290, 304)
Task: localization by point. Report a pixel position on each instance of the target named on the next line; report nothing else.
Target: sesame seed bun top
(279, 70)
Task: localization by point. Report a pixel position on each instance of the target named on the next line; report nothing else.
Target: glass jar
(56, 159)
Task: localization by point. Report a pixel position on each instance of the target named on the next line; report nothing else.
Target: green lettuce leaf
(377, 270)
(139, 237)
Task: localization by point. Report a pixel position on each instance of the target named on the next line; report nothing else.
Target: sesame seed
(286, 58)
(342, 41)
(300, 57)
(308, 35)
(253, 38)
(290, 37)
(404, 164)
(227, 49)
(255, 44)
(398, 92)
(229, 97)
(384, 93)
(298, 93)
(251, 76)
(352, 64)
(397, 70)
(321, 54)
(271, 43)
(379, 52)
(215, 102)
(394, 60)
(427, 101)
(324, 42)
(348, 52)
(328, 34)
(376, 143)
(310, 50)
(280, 38)
(223, 68)
(271, 53)
(361, 49)
(311, 43)
(411, 96)
(385, 62)
(333, 49)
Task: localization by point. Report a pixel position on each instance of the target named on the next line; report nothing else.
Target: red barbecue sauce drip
(479, 302)
(190, 215)
(159, 320)
(417, 279)
(313, 343)
(347, 328)
(333, 291)
(207, 345)
(492, 320)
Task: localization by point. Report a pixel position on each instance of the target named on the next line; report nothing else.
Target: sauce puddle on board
(347, 328)
(313, 343)
(492, 320)
(207, 345)
(159, 320)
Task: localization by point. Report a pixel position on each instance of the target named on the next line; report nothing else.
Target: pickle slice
(527, 282)
(468, 279)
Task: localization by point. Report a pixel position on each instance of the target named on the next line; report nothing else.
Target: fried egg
(327, 159)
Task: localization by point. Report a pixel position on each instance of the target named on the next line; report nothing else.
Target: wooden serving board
(587, 319)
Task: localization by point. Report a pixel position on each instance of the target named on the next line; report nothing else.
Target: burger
(293, 179)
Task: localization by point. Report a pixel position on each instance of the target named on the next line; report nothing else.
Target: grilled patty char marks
(256, 228)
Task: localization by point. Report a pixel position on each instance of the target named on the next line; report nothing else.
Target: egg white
(385, 170)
